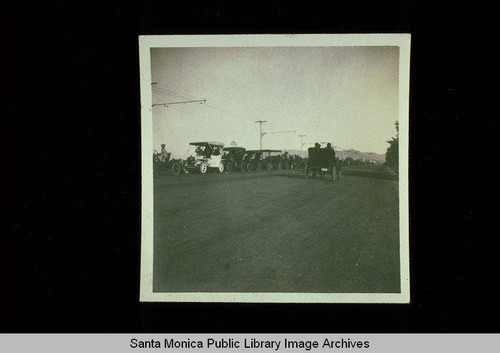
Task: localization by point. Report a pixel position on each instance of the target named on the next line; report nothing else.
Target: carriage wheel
(229, 167)
(203, 168)
(176, 168)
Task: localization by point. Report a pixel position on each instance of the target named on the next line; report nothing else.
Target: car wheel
(203, 168)
(243, 167)
(269, 166)
(176, 168)
(221, 167)
(259, 167)
(229, 167)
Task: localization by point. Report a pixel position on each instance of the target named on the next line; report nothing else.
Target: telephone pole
(301, 145)
(261, 134)
(268, 132)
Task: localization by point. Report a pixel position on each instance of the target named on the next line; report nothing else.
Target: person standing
(163, 153)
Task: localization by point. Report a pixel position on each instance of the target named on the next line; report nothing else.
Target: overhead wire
(223, 110)
(191, 113)
(184, 96)
(172, 93)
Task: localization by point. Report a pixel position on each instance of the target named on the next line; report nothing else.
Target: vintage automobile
(322, 161)
(252, 160)
(272, 159)
(263, 160)
(233, 159)
(209, 156)
(166, 165)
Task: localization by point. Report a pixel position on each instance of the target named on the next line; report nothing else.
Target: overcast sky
(344, 95)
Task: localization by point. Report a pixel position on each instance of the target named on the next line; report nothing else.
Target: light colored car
(208, 156)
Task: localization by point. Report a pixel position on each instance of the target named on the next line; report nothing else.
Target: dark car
(322, 161)
(233, 159)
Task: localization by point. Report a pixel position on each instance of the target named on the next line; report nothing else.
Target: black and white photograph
(179, 172)
(275, 172)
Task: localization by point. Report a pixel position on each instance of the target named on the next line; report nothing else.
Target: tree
(392, 154)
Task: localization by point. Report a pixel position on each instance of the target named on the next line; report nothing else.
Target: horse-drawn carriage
(322, 161)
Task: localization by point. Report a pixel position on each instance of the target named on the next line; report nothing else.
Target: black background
(70, 240)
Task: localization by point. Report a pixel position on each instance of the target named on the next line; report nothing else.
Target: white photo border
(296, 40)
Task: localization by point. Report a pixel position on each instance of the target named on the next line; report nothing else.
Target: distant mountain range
(354, 154)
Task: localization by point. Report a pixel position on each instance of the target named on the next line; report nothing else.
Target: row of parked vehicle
(213, 156)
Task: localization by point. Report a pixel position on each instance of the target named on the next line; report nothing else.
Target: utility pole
(201, 101)
(261, 134)
(301, 145)
(268, 132)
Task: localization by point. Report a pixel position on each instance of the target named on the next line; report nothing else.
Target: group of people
(208, 150)
(329, 148)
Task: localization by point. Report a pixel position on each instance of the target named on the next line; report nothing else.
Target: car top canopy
(263, 150)
(206, 143)
(236, 149)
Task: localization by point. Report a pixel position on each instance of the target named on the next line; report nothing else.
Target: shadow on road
(292, 176)
(215, 178)
(376, 173)
(364, 173)
(301, 176)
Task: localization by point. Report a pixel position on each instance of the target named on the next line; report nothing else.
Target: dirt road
(277, 232)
